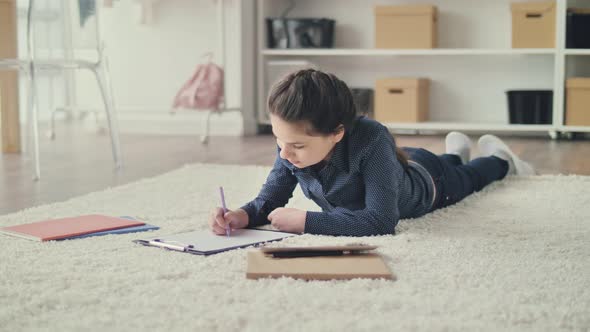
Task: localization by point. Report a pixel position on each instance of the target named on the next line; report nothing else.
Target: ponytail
(402, 156)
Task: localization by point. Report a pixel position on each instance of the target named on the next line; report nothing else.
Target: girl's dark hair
(319, 100)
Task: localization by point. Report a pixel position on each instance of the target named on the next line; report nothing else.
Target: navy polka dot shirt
(363, 189)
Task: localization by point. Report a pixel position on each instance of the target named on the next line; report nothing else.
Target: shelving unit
(470, 71)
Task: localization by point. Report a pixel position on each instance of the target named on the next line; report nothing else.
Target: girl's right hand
(235, 219)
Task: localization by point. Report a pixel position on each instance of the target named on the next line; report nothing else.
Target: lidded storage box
(401, 99)
(577, 101)
(408, 26)
(533, 24)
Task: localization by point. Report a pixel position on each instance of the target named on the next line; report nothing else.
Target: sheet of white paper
(206, 241)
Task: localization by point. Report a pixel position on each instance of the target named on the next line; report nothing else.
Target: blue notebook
(133, 229)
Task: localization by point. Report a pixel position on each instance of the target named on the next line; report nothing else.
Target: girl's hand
(288, 220)
(235, 219)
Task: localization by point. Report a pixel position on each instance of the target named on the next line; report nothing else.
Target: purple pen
(227, 228)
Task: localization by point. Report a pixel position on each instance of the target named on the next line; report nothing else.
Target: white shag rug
(514, 257)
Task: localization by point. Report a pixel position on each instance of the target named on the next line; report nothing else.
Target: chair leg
(29, 125)
(51, 132)
(205, 136)
(107, 97)
(99, 128)
(33, 124)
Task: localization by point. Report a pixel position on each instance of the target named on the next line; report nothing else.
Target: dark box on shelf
(578, 28)
(300, 32)
(530, 106)
(363, 100)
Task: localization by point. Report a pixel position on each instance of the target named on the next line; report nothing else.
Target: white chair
(67, 61)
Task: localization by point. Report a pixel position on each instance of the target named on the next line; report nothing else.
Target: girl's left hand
(288, 220)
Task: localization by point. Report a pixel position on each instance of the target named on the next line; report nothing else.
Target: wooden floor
(79, 162)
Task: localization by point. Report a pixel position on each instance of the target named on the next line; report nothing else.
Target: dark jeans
(454, 180)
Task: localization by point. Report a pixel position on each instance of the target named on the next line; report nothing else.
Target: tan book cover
(56, 229)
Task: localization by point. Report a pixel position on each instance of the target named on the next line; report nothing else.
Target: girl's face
(299, 148)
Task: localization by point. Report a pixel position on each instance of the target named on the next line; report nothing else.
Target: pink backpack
(204, 90)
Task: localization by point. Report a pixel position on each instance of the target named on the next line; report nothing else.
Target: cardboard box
(533, 24)
(577, 101)
(401, 99)
(409, 26)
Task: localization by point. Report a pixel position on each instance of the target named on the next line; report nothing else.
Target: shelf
(393, 52)
(475, 127)
(479, 127)
(581, 51)
(582, 129)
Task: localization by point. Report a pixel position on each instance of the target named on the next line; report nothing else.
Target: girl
(351, 167)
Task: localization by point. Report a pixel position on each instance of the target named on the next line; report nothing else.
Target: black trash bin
(578, 28)
(300, 32)
(530, 106)
(363, 100)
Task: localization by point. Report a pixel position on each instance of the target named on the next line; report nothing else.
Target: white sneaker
(459, 144)
(490, 145)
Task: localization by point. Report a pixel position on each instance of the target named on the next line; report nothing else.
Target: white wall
(150, 62)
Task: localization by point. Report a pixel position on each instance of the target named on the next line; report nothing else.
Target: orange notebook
(58, 229)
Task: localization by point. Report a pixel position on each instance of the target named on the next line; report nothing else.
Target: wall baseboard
(162, 122)
(183, 122)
